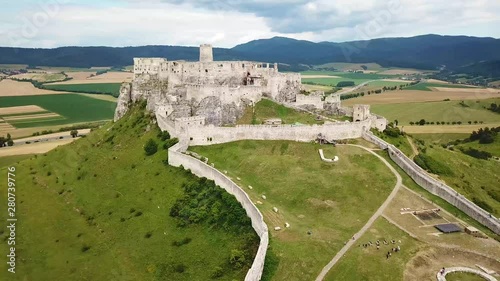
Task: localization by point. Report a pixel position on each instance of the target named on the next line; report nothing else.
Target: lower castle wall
(177, 158)
(434, 186)
(206, 135)
(309, 99)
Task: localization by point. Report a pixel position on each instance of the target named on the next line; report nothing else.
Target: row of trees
(422, 122)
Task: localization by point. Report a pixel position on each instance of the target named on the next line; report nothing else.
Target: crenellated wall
(436, 187)
(177, 158)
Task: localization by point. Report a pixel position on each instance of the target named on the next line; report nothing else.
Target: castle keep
(192, 100)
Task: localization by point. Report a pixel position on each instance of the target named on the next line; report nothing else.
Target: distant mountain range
(422, 52)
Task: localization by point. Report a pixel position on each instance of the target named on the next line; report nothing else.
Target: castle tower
(360, 112)
(206, 53)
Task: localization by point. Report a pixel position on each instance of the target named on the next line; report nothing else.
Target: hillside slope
(100, 209)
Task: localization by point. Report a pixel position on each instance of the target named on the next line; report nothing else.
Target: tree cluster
(6, 141)
(494, 107)
(204, 202)
(485, 135)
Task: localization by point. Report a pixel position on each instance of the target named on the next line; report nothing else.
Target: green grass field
(100, 88)
(424, 86)
(266, 109)
(331, 200)
(72, 107)
(493, 148)
(99, 209)
(368, 263)
(476, 179)
(11, 160)
(447, 111)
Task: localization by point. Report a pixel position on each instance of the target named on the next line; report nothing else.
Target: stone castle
(193, 100)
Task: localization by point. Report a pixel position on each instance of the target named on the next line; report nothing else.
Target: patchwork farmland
(93, 88)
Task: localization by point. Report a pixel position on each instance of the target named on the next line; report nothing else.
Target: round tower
(206, 54)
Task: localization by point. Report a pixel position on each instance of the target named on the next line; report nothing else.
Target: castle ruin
(193, 100)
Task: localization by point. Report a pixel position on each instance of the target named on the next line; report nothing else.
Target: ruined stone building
(218, 90)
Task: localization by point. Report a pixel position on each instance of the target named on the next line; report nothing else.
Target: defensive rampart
(206, 135)
(177, 158)
(434, 186)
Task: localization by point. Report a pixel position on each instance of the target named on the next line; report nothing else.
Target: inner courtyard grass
(368, 263)
(331, 201)
(266, 109)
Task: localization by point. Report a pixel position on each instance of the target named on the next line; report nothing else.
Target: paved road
(351, 242)
(40, 139)
(355, 88)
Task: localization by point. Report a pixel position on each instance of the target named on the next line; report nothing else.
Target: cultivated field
(24, 109)
(94, 88)
(402, 71)
(12, 66)
(329, 201)
(441, 111)
(79, 76)
(41, 77)
(447, 129)
(13, 88)
(34, 148)
(106, 78)
(67, 106)
(411, 96)
(427, 86)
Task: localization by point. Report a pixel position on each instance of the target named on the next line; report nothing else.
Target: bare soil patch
(109, 77)
(32, 116)
(447, 129)
(319, 76)
(20, 109)
(427, 263)
(13, 88)
(398, 71)
(407, 96)
(80, 75)
(34, 148)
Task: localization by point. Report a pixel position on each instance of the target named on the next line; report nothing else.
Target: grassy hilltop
(100, 209)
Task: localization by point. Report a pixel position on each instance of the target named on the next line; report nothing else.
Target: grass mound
(99, 209)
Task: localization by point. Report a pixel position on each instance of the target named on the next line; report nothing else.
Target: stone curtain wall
(210, 134)
(435, 187)
(177, 158)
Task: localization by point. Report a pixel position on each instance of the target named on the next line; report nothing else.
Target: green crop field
(72, 107)
(99, 209)
(331, 201)
(266, 109)
(369, 263)
(447, 111)
(99, 88)
(424, 86)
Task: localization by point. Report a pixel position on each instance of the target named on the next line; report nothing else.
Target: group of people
(378, 244)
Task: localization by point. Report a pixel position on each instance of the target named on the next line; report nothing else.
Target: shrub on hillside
(477, 153)
(431, 165)
(151, 147)
(170, 142)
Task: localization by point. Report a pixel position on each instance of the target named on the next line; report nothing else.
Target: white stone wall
(213, 135)
(225, 93)
(309, 100)
(436, 187)
(177, 158)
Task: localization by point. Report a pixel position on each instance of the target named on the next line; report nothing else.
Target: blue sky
(226, 23)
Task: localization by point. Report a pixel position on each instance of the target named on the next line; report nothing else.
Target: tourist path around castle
(378, 213)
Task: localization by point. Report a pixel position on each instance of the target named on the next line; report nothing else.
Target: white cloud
(226, 23)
